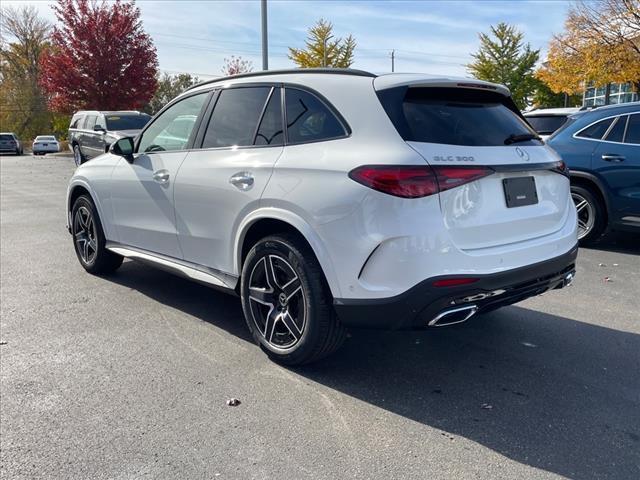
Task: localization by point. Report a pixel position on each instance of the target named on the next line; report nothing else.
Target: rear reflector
(415, 181)
(454, 282)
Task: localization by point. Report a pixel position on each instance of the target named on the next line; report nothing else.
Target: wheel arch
(593, 183)
(77, 189)
(270, 221)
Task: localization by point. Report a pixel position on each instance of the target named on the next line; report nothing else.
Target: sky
(428, 36)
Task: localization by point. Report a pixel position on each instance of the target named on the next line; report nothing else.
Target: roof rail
(331, 71)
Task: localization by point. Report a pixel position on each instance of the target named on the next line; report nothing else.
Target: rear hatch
(498, 186)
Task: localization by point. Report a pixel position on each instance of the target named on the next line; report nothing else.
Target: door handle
(608, 157)
(242, 180)
(161, 176)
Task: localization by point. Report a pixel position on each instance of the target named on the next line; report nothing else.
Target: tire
(591, 214)
(78, 158)
(295, 323)
(88, 239)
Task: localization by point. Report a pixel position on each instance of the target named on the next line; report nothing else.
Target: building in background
(609, 94)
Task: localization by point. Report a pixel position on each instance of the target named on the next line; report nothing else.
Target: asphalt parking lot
(128, 376)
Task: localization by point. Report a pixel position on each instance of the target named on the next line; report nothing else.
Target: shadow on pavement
(619, 242)
(553, 393)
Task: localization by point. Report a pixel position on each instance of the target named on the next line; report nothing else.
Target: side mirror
(123, 148)
(98, 128)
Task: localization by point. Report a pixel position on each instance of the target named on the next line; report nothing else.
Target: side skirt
(198, 273)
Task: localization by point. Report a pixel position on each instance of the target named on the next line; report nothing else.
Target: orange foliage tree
(601, 44)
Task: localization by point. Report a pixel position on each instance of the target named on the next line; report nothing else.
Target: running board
(216, 279)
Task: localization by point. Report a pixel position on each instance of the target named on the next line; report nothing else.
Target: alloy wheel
(85, 235)
(277, 302)
(76, 155)
(586, 214)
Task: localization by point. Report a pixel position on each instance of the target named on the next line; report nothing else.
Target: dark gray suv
(91, 132)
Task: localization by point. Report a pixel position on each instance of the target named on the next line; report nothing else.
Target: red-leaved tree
(101, 58)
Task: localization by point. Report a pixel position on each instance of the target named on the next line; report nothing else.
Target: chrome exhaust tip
(453, 316)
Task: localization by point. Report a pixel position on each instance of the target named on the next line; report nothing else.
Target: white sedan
(45, 144)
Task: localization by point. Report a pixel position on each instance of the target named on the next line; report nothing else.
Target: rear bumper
(419, 305)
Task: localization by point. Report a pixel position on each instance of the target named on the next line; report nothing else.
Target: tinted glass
(127, 122)
(633, 129)
(597, 130)
(172, 129)
(76, 121)
(45, 138)
(90, 122)
(270, 131)
(308, 119)
(546, 124)
(6, 138)
(460, 118)
(235, 117)
(617, 132)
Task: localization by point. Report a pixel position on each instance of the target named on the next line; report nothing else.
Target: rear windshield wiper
(522, 137)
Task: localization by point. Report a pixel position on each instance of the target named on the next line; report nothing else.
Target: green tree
(545, 97)
(323, 50)
(169, 87)
(25, 36)
(504, 58)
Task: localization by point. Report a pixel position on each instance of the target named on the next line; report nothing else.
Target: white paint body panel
(369, 244)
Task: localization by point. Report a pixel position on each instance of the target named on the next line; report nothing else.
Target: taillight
(560, 167)
(454, 176)
(415, 181)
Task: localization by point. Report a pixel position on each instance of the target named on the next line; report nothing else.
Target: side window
(100, 121)
(633, 129)
(270, 131)
(89, 122)
(172, 129)
(308, 119)
(235, 117)
(617, 131)
(597, 130)
(76, 121)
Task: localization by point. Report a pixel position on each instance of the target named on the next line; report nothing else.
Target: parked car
(335, 198)
(9, 143)
(602, 150)
(91, 133)
(545, 121)
(45, 144)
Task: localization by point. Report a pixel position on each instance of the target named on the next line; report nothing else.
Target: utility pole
(265, 46)
(324, 50)
(393, 59)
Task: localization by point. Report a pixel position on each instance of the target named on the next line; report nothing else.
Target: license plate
(520, 191)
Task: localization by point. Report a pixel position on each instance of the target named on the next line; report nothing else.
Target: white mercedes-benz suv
(335, 198)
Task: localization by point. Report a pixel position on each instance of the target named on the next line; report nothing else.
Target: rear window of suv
(126, 122)
(546, 124)
(453, 116)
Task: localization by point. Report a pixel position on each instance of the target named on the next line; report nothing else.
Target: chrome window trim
(575, 135)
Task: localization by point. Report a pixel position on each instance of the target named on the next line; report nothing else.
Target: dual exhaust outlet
(464, 313)
(453, 316)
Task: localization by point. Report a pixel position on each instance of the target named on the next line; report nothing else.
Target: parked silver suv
(91, 132)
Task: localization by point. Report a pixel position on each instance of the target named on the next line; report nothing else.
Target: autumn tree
(101, 57)
(169, 87)
(504, 58)
(323, 50)
(601, 44)
(23, 105)
(236, 65)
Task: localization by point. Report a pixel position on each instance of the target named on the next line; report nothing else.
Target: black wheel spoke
(291, 325)
(292, 288)
(270, 272)
(260, 295)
